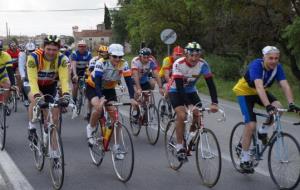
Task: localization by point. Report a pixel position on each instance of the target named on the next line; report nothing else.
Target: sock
(179, 146)
(245, 157)
(31, 125)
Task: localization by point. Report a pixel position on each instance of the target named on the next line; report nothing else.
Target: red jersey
(14, 56)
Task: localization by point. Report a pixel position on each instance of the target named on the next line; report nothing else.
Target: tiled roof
(93, 33)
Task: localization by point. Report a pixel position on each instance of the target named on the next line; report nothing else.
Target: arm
(261, 92)
(64, 76)
(128, 81)
(22, 64)
(32, 73)
(11, 76)
(158, 80)
(212, 89)
(135, 76)
(74, 67)
(287, 90)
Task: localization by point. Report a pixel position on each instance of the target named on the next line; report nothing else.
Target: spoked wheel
(79, 102)
(135, 123)
(15, 101)
(2, 126)
(57, 167)
(123, 154)
(170, 145)
(38, 149)
(284, 161)
(97, 150)
(208, 158)
(153, 127)
(165, 113)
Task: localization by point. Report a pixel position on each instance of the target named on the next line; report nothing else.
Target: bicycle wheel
(235, 145)
(57, 167)
(135, 123)
(153, 127)
(284, 161)
(79, 102)
(208, 158)
(170, 145)
(97, 151)
(165, 113)
(2, 126)
(123, 167)
(38, 150)
(15, 101)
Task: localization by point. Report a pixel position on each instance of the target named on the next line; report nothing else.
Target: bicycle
(279, 151)
(3, 113)
(45, 143)
(123, 167)
(81, 95)
(203, 141)
(146, 114)
(165, 111)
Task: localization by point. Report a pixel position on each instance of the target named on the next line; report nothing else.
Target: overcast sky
(33, 23)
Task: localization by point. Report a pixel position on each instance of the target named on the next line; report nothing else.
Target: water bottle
(263, 134)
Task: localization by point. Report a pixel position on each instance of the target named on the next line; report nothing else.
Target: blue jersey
(82, 60)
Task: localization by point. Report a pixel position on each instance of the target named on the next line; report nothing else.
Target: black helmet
(52, 39)
(145, 51)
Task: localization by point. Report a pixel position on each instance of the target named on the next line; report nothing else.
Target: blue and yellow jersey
(82, 60)
(5, 61)
(42, 72)
(256, 70)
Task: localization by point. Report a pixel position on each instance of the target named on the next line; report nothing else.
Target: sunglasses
(115, 57)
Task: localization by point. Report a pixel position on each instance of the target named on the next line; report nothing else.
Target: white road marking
(14, 175)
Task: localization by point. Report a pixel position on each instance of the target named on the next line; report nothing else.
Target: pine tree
(107, 18)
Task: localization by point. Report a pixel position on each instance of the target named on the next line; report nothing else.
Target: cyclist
(5, 71)
(79, 61)
(102, 56)
(251, 89)
(182, 91)
(43, 67)
(13, 51)
(166, 69)
(141, 66)
(29, 48)
(101, 88)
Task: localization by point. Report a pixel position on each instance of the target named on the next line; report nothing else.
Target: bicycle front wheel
(165, 113)
(38, 150)
(153, 127)
(208, 157)
(170, 145)
(135, 123)
(235, 145)
(79, 102)
(123, 165)
(15, 101)
(57, 167)
(97, 149)
(284, 161)
(2, 126)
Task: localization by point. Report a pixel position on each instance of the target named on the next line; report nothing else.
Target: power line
(54, 10)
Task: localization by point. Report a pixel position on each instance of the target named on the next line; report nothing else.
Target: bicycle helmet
(178, 50)
(145, 51)
(116, 49)
(12, 44)
(21, 47)
(270, 49)
(52, 39)
(30, 47)
(103, 48)
(193, 47)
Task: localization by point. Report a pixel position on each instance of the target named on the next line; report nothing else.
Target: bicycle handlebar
(118, 104)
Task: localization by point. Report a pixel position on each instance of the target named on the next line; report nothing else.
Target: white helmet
(81, 43)
(30, 46)
(116, 49)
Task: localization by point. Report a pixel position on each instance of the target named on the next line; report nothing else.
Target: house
(93, 37)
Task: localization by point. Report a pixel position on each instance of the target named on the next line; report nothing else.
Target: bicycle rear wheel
(165, 113)
(38, 150)
(153, 127)
(123, 167)
(97, 151)
(135, 123)
(170, 145)
(2, 126)
(57, 167)
(284, 161)
(208, 158)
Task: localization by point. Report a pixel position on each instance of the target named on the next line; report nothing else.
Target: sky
(59, 23)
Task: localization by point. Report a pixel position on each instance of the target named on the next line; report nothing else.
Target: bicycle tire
(205, 153)
(97, 150)
(57, 163)
(282, 139)
(79, 102)
(235, 146)
(153, 128)
(15, 101)
(127, 148)
(164, 116)
(39, 156)
(135, 124)
(2, 127)
(170, 143)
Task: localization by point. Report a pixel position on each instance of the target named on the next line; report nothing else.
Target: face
(51, 51)
(193, 58)
(271, 60)
(144, 58)
(176, 56)
(114, 59)
(103, 54)
(82, 49)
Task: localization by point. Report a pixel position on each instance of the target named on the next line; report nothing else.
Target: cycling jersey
(93, 61)
(44, 73)
(167, 65)
(22, 64)
(143, 69)
(110, 74)
(14, 55)
(5, 61)
(256, 70)
(82, 60)
(189, 73)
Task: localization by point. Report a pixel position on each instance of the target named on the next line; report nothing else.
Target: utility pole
(7, 30)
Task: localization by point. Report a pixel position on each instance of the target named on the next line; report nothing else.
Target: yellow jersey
(167, 65)
(5, 61)
(42, 72)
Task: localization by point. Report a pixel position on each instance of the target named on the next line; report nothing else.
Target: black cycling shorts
(189, 99)
(109, 94)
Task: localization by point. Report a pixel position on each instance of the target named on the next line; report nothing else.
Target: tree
(107, 18)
